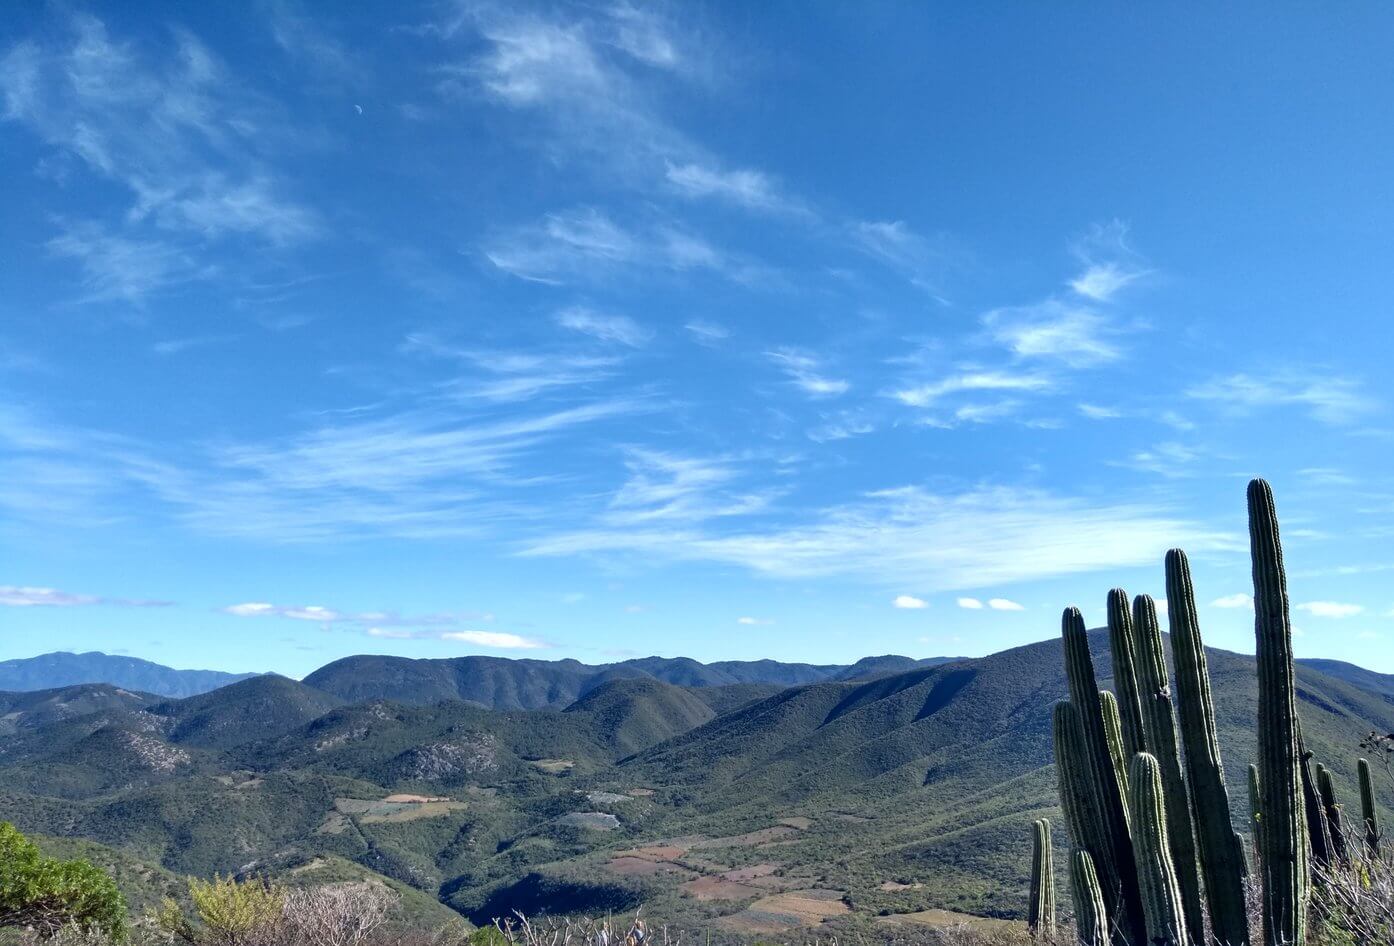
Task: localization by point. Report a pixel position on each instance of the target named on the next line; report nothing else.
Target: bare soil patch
(554, 766)
(787, 911)
(640, 792)
(893, 886)
(718, 888)
(799, 822)
(643, 867)
(750, 839)
(943, 918)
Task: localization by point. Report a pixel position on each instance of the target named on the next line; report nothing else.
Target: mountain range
(482, 785)
(62, 669)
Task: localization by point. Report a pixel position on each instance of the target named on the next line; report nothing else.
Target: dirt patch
(894, 886)
(799, 822)
(718, 888)
(554, 766)
(751, 839)
(607, 798)
(753, 872)
(414, 812)
(787, 911)
(949, 918)
(640, 792)
(334, 823)
(849, 817)
(315, 864)
(412, 799)
(643, 867)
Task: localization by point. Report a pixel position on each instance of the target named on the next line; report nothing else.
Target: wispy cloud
(296, 612)
(924, 395)
(1237, 600)
(666, 487)
(924, 262)
(908, 603)
(493, 640)
(754, 622)
(1330, 609)
(1331, 400)
(125, 268)
(1110, 264)
(1054, 330)
(608, 328)
(29, 596)
(805, 372)
(745, 187)
(914, 537)
(707, 333)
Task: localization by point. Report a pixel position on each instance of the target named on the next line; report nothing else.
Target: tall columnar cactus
(1125, 681)
(1113, 858)
(1283, 828)
(1161, 894)
(1368, 816)
(1221, 854)
(1159, 724)
(1113, 731)
(1327, 789)
(1091, 916)
(1074, 774)
(1040, 909)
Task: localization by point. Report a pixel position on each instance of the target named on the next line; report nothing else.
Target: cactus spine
(1159, 724)
(1221, 854)
(1040, 910)
(1091, 917)
(1283, 829)
(1125, 681)
(1161, 894)
(1368, 815)
(1113, 850)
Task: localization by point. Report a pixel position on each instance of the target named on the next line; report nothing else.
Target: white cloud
(1004, 604)
(754, 622)
(1330, 609)
(925, 395)
(747, 188)
(1099, 412)
(1331, 400)
(1054, 330)
(1100, 281)
(252, 609)
(129, 269)
(804, 371)
(909, 602)
(1237, 600)
(607, 328)
(29, 596)
(708, 333)
(895, 244)
(916, 538)
(310, 612)
(495, 639)
(972, 604)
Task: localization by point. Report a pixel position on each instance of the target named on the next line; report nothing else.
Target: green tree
(46, 895)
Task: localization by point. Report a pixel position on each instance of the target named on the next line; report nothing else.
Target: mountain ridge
(63, 668)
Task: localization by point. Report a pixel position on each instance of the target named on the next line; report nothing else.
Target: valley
(749, 799)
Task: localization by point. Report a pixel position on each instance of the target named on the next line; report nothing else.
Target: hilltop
(63, 669)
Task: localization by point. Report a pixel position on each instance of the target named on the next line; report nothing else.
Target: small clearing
(948, 918)
(554, 766)
(394, 809)
(787, 911)
(718, 888)
(801, 823)
(594, 820)
(402, 799)
(643, 867)
(892, 886)
(751, 839)
(607, 798)
(640, 792)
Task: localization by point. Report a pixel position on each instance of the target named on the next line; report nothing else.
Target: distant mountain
(1380, 683)
(61, 669)
(260, 708)
(503, 683)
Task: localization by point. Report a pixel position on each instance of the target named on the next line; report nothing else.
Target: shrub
(47, 896)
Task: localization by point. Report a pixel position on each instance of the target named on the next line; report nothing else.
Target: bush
(47, 896)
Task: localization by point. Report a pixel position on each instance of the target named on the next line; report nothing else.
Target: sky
(733, 331)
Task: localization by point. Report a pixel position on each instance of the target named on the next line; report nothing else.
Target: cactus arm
(1368, 815)
(1286, 876)
(1327, 789)
(1040, 909)
(1122, 643)
(1091, 917)
(1113, 731)
(1222, 862)
(1159, 724)
(1161, 894)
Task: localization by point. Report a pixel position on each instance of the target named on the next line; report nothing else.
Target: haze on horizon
(807, 332)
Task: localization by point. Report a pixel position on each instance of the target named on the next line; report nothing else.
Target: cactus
(1113, 730)
(1091, 917)
(1221, 858)
(1112, 850)
(1368, 815)
(1283, 829)
(1125, 681)
(1318, 830)
(1040, 909)
(1327, 789)
(1159, 725)
(1161, 894)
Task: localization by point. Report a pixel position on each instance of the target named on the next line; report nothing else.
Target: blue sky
(788, 330)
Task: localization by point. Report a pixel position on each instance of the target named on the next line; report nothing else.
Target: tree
(46, 895)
